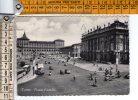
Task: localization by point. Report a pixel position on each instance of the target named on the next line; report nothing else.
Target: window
(121, 46)
(112, 46)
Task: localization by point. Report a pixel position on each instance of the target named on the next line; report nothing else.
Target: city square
(58, 84)
(96, 65)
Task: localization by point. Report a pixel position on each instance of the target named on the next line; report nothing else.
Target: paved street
(27, 77)
(57, 84)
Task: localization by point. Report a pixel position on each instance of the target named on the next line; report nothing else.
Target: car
(31, 59)
(61, 72)
(49, 62)
(51, 68)
(67, 71)
(20, 73)
(65, 64)
(45, 62)
(126, 76)
(39, 72)
(27, 68)
(63, 61)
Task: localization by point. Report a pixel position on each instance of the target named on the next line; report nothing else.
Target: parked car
(49, 62)
(126, 76)
(63, 61)
(39, 72)
(20, 73)
(45, 62)
(67, 71)
(51, 68)
(65, 64)
(27, 68)
(61, 72)
(31, 59)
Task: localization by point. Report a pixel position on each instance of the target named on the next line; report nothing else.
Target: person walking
(74, 77)
(106, 72)
(58, 62)
(95, 82)
(50, 73)
(95, 73)
(74, 62)
(91, 76)
(33, 70)
(118, 74)
(110, 75)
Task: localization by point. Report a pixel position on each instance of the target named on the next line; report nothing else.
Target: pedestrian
(61, 72)
(118, 74)
(50, 73)
(74, 78)
(110, 75)
(74, 62)
(95, 73)
(106, 72)
(105, 78)
(111, 68)
(95, 82)
(58, 62)
(33, 70)
(91, 76)
(110, 72)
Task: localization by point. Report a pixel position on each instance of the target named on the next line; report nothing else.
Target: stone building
(25, 47)
(71, 51)
(107, 44)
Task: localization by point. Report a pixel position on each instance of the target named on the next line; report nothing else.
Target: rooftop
(50, 42)
(58, 40)
(116, 24)
(24, 37)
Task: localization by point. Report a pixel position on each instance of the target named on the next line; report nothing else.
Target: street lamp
(117, 60)
(117, 54)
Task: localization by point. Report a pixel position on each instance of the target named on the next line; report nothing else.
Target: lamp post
(33, 58)
(117, 60)
(117, 54)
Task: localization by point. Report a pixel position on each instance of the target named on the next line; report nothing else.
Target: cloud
(41, 29)
(68, 29)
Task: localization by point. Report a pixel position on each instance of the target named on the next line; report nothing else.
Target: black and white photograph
(72, 55)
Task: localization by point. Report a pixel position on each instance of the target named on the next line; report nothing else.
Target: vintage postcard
(74, 48)
(72, 55)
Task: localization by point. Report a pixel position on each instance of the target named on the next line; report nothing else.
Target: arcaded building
(107, 44)
(25, 47)
(72, 50)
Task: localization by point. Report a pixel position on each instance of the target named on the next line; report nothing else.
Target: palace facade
(107, 44)
(25, 47)
(71, 51)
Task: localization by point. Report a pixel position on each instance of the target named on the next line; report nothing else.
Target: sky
(68, 28)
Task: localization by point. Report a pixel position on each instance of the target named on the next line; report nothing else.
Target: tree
(22, 63)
